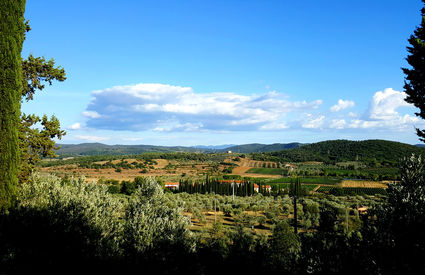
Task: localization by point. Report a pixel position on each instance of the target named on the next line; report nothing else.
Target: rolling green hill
(90, 149)
(380, 151)
(257, 147)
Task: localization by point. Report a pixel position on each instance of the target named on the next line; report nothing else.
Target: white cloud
(274, 126)
(75, 126)
(132, 138)
(91, 138)
(382, 114)
(342, 104)
(162, 107)
(313, 122)
(385, 103)
(338, 124)
(91, 114)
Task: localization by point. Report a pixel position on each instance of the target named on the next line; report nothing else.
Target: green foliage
(154, 152)
(37, 70)
(36, 143)
(150, 223)
(284, 248)
(295, 188)
(56, 223)
(256, 147)
(338, 191)
(395, 230)
(414, 84)
(12, 29)
(268, 171)
(332, 151)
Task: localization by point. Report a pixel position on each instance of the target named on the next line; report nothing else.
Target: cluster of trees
(82, 227)
(93, 161)
(379, 152)
(122, 164)
(214, 185)
(127, 187)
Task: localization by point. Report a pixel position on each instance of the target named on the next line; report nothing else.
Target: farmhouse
(268, 188)
(172, 185)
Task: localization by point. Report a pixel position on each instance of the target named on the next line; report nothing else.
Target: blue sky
(225, 72)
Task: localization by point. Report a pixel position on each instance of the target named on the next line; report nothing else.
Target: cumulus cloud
(382, 113)
(338, 124)
(166, 108)
(75, 126)
(385, 103)
(342, 104)
(313, 122)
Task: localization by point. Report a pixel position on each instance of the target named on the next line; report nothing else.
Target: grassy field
(316, 180)
(307, 187)
(352, 190)
(268, 171)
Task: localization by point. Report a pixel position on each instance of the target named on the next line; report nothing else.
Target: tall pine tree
(12, 30)
(414, 84)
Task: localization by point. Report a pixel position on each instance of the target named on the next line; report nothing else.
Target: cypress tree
(12, 30)
(414, 84)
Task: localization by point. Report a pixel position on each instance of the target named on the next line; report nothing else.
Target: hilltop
(91, 149)
(382, 151)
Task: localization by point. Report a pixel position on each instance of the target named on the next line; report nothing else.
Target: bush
(79, 224)
(55, 224)
(150, 224)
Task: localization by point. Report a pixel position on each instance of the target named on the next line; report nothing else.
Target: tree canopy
(414, 84)
(37, 142)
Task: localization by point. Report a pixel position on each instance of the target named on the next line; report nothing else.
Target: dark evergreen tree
(12, 30)
(414, 84)
(295, 191)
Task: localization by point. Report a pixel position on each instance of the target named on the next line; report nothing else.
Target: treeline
(242, 188)
(381, 173)
(370, 152)
(88, 161)
(91, 149)
(216, 186)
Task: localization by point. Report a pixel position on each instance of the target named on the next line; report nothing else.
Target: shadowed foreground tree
(394, 233)
(414, 84)
(12, 29)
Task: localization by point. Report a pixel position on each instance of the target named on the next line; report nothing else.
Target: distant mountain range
(213, 147)
(261, 148)
(89, 149)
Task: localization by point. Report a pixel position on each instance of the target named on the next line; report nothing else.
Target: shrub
(56, 223)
